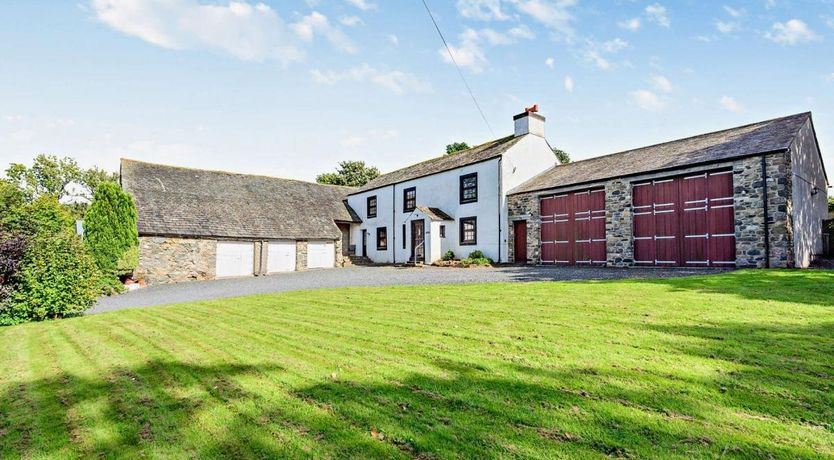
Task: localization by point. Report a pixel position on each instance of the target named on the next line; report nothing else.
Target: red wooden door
(685, 221)
(520, 235)
(573, 228)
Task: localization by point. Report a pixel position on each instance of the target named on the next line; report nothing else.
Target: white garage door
(280, 256)
(235, 258)
(321, 254)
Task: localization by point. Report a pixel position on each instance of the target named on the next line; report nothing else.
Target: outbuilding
(198, 224)
(752, 196)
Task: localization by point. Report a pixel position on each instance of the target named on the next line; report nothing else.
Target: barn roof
(477, 154)
(766, 136)
(174, 201)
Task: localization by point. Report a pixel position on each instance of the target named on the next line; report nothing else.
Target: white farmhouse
(452, 203)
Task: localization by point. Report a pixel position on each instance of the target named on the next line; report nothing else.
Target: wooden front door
(364, 243)
(520, 235)
(418, 240)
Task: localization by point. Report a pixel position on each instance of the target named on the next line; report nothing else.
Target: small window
(469, 231)
(469, 188)
(403, 236)
(443, 231)
(381, 239)
(372, 206)
(409, 199)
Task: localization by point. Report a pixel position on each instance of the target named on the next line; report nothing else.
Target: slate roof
(477, 154)
(435, 214)
(766, 136)
(173, 201)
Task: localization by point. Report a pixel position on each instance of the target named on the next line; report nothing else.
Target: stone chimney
(529, 122)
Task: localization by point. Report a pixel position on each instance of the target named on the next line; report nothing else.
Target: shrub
(449, 255)
(57, 278)
(12, 251)
(481, 261)
(110, 230)
(44, 215)
(476, 254)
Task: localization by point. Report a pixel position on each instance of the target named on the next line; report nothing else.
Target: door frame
(422, 225)
(364, 242)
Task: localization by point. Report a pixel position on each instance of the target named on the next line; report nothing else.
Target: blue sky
(289, 88)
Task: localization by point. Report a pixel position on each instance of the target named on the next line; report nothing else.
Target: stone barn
(197, 224)
(752, 196)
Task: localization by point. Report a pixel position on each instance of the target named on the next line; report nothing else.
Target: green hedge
(57, 278)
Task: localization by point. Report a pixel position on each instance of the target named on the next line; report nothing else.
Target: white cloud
(362, 5)
(599, 53)
(470, 53)
(553, 14)
(706, 38)
(246, 31)
(770, 4)
(829, 22)
(483, 10)
(522, 32)
(350, 21)
(734, 12)
(729, 103)
(569, 84)
(647, 100)
(791, 32)
(317, 24)
(726, 27)
(662, 83)
(395, 81)
(632, 24)
(353, 141)
(394, 40)
(614, 46)
(657, 13)
(829, 77)
(550, 62)
(11, 118)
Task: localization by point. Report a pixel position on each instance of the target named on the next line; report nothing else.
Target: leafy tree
(831, 204)
(43, 215)
(110, 230)
(50, 175)
(456, 147)
(350, 174)
(562, 156)
(11, 197)
(57, 278)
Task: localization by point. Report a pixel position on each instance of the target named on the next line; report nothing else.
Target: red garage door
(685, 221)
(573, 228)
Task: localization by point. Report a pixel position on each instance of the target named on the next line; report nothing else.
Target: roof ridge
(462, 152)
(231, 173)
(685, 138)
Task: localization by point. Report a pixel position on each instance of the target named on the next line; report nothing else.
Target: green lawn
(733, 365)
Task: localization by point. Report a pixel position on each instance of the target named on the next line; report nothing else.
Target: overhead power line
(460, 72)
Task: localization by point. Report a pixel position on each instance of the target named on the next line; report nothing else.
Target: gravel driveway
(367, 276)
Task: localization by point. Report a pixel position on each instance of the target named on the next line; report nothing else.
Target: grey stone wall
(172, 260)
(340, 256)
(301, 255)
(525, 207)
(749, 189)
(619, 223)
